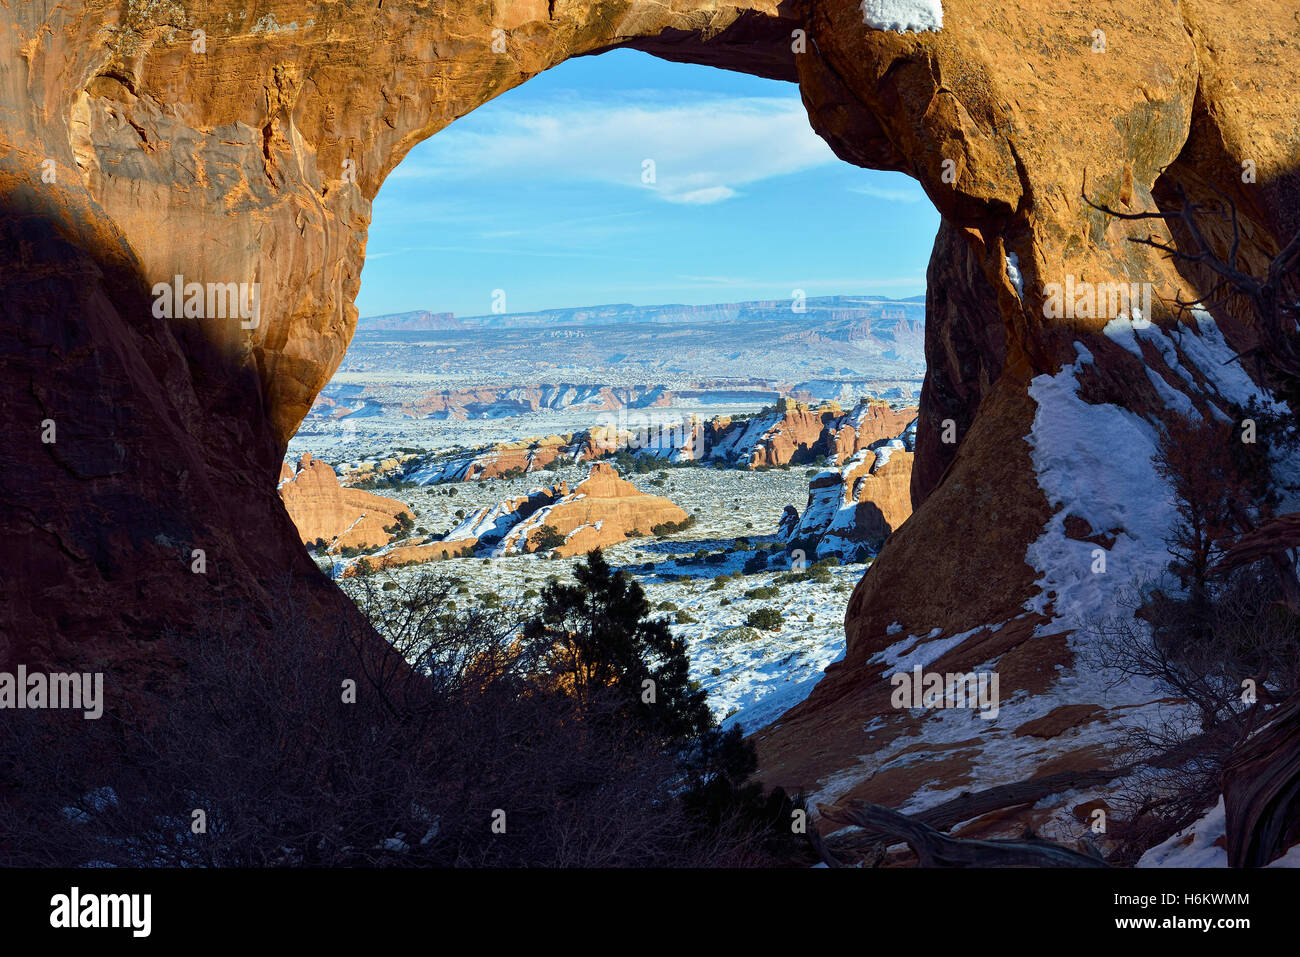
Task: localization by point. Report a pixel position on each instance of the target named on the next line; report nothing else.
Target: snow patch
(1194, 845)
(1013, 273)
(1095, 462)
(903, 16)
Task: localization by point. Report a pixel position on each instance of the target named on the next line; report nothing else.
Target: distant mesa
(419, 320)
(846, 309)
(322, 509)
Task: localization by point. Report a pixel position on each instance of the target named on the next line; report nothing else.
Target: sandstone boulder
(342, 517)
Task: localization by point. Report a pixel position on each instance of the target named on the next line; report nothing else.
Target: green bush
(767, 619)
(669, 528)
(547, 538)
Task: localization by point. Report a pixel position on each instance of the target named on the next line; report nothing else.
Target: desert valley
(738, 497)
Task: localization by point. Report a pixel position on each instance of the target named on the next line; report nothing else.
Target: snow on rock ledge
(903, 16)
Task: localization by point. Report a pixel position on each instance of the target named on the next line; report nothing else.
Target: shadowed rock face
(253, 157)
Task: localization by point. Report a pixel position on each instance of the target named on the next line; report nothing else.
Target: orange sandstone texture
(343, 517)
(601, 510)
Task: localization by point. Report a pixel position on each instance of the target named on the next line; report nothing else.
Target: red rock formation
(869, 423)
(343, 517)
(859, 504)
(796, 437)
(128, 158)
(603, 509)
(796, 434)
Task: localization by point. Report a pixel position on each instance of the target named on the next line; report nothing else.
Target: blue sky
(540, 193)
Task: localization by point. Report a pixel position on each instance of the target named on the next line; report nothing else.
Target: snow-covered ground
(751, 676)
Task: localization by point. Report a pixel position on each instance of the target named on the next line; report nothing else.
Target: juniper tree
(602, 638)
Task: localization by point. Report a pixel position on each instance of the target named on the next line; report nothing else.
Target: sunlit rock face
(853, 508)
(323, 510)
(232, 155)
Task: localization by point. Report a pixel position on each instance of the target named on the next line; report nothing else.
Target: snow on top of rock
(903, 16)
(883, 450)
(483, 521)
(739, 444)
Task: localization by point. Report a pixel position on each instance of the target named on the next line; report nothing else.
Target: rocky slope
(527, 455)
(601, 510)
(518, 400)
(130, 154)
(322, 509)
(852, 509)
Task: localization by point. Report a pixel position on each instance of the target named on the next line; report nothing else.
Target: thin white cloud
(702, 197)
(698, 153)
(831, 283)
(911, 194)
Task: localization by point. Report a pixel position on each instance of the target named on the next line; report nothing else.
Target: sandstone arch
(228, 165)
